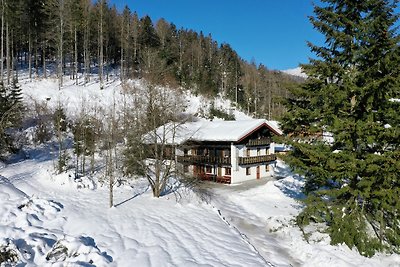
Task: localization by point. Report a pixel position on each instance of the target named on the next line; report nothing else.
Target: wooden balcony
(259, 142)
(257, 159)
(205, 159)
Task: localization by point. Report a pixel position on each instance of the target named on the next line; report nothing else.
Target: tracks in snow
(253, 231)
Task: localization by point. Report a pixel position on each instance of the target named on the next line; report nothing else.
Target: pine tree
(3, 119)
(352, 182)
(11, 110)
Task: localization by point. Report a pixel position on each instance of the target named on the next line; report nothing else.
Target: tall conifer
(353, 179)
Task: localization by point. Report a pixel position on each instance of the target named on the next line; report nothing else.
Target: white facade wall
(239, 173)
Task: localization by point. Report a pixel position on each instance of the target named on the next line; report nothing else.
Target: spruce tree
(352, 181)
(11, 110)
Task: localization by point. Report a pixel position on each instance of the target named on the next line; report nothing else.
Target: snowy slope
(139, 231)
(89, 98)
(243, 225)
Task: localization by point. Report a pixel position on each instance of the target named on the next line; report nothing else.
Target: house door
(195, 170)
(198, 170)
(219, 172)
(258, 172)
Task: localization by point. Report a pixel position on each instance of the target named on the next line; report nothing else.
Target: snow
(275, 126)
(250, 224)
(296, 72)
(78, 99)
(199, 105)
(51, 219)
(264, 212)
(203, 130)
(138, 231)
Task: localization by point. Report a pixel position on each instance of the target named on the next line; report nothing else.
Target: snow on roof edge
(212, 131)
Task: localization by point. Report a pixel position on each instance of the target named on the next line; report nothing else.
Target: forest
(88, 41)
(82, 37)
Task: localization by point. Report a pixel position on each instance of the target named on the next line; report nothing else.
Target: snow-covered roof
(223, 131)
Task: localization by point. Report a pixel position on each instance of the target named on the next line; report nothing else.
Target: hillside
(94, 38)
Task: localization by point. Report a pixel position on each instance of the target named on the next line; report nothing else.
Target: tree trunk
(111, 195)
(101, 48)
(86, 57)
(77, 167)
(8, 61)
(106, 62)
(60, 46)
(2, 42)
(76, 55)
(44, 60)
(269, 102)
(12, 57)
(36, 57)
(110, 175)
(30, 55)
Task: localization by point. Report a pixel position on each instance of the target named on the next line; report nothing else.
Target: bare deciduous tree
(151, 144)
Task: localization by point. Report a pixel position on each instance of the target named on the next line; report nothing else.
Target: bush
(8, 255)
(218, 113)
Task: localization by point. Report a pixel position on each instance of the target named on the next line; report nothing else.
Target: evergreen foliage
(353, 180)
(218, 113)
(11, 109)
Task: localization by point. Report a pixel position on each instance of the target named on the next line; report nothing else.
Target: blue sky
(271, 32)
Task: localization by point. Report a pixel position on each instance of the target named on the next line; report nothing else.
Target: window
(185, 151)
(208, 169)
(258, 151)
(267, 151)
(267, 167)
(248, 171)
(248, 152)
(185, 168)
(226, 153)
(227, 171)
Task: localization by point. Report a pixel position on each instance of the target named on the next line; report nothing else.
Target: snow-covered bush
(8, 255)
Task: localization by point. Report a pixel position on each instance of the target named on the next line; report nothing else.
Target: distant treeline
(82, 36)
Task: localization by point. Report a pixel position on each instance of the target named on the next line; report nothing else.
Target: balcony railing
(257, 159)
(204, 159)
(259, 142)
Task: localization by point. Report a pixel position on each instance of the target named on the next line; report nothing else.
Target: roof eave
(258, 128)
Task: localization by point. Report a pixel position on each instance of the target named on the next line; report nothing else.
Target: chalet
(224, 151)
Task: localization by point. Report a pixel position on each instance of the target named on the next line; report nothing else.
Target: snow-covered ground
(50, 219)
(140, 230)
(43, 214)
(78, 99)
